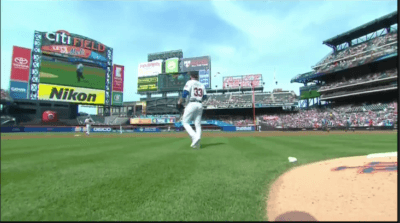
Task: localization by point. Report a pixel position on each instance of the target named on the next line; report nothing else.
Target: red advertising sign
(21, 60)
(245, 81)
(69, 50)
(118, 78)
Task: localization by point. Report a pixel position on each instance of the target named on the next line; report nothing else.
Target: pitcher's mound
(345, 189)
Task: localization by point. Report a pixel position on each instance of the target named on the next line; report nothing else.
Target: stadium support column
(254, 107)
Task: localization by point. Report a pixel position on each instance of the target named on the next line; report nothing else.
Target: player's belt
(195, 101)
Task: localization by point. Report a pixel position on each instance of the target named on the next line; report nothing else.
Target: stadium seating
(366, 78)
(369, 46)
(245, 100)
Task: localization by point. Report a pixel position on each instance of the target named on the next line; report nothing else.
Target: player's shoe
(195, 141)
(196, 146)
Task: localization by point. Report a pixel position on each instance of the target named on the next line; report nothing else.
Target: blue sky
(241, 37)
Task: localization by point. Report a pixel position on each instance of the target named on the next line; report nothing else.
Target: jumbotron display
(72, 68)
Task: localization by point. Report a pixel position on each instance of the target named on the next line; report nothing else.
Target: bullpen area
(157, 176)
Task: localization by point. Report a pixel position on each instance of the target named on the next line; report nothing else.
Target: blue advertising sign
(147, 129)
(204, 78)
(102, 129)
(18, 90)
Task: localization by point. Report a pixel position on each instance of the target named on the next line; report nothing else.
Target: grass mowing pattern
(94, 77)
(83, 179)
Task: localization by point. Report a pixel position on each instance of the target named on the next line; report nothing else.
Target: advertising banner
(246, 128)
(18, 90)
(118, 78)
(196, 63)
(21, 61)
(163, 120)
(117, 98)
(140, 121)
(270, 118)
(244, 81)
(150, 69)
(204, 78)
(63, 42)
(172, 65)
(172, 82)
(147, 129)
(102, 129)
(71, 94)
(147, 84)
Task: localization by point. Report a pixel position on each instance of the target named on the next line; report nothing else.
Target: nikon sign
(71, 94)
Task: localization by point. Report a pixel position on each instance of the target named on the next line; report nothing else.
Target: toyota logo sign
(21, 60)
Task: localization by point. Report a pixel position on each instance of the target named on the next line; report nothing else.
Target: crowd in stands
(245, 100)
(380, 86)
(359, 54)
(369, 77)
(380, 114)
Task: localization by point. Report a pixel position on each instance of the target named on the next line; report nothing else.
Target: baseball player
(79, 72)
(88, 122)
(348, 124)
(195, 93)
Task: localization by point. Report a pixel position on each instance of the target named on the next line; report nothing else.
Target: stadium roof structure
(373, 26)
(303, 78)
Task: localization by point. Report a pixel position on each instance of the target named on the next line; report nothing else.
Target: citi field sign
(63, 42)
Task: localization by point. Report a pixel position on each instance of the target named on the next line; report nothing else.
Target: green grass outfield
(66, 75)
(134, 179)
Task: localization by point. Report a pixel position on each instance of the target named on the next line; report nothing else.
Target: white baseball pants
(88, 129)
(193, 112)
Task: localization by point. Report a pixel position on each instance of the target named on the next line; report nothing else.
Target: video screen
(60, 71)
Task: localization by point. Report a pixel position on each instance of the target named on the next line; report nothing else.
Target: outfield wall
(131, 129)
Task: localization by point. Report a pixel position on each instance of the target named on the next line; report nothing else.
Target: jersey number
(198, 92)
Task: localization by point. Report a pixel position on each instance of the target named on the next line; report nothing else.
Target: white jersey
(196, 90)
(79, 67)
(88, 121)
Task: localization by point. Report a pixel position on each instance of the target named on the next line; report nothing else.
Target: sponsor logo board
(140, 120)
(18, 90)
(100, 129)
(244, 81)
(117, 98)
(196, 63)
(147, 84)
(118, 78)
(20, 64)
(149, 69)
(77, 45)
(71, 94)
(172, 65)
(204, 78)
(248, 128)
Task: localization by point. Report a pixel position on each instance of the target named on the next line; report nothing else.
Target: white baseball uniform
(194, 109)
(88, 122)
